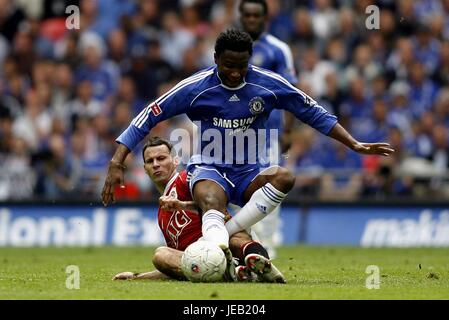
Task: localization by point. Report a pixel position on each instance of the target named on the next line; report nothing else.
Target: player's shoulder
(266, 77)
(188, 88)
(200, 79)
(182, 177)
(182, 186)
(204, 72)
(178, 180)
(277, 43)
(170, 188)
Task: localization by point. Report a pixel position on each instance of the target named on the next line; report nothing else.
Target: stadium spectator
(357, 105)
(280, 21)
(423, 90)
(324, 19)
(302, 35)
(149, 70)
(175, 39)
(62, 92)
(34, 125)
(441, 75)
(10, 18)
(363, 65)
(55, 175)
(8, 105)
(85, 105)
(102, 73)
(314, 70)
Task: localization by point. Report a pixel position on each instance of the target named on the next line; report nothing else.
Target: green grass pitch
(311, 272)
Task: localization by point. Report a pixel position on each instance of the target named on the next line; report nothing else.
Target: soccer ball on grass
(204, 261)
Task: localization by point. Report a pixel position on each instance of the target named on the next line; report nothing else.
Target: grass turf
(311, 272)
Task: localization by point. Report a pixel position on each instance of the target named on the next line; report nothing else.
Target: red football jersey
(180, 228)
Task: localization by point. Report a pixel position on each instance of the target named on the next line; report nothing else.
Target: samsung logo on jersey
(233, 143)
(232, 123)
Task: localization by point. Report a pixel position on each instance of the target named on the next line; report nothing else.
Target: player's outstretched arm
(115, 174)
(286, 142)
(381, 148)
(172, 204)
(151, 275)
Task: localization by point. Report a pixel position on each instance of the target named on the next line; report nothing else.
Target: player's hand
(127, 275)
(114, 176)
(380, 148)
(169, 203)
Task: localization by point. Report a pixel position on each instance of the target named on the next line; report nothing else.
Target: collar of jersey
(167, 187)
(240, 86)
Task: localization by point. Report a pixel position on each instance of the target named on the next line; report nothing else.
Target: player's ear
(176, 161)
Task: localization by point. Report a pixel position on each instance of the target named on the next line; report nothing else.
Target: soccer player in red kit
(180, 227)
(180, 223)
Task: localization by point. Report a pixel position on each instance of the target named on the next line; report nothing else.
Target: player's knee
(285, 180)
(209, 199)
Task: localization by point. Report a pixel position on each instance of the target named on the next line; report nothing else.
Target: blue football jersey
(273, 54)
(232, 121)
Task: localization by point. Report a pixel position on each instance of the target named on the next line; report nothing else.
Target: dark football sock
(254, 247)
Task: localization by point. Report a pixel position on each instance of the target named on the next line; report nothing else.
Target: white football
(203, 261)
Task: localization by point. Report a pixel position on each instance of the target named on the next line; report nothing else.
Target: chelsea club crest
(256, 105)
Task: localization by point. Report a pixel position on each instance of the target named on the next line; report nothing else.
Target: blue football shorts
(234, 182)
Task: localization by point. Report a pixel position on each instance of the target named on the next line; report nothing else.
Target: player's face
(253, 19)
(232, 67)
(159, 164)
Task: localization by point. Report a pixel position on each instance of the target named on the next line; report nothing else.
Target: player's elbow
(160, 255)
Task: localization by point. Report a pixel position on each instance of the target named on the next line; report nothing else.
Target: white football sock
(262, 202)
(213, 227)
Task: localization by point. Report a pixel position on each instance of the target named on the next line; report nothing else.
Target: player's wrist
(117, 164)
(357, 146)
(184, 205)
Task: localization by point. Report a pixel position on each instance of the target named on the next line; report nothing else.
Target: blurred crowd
(66, 94)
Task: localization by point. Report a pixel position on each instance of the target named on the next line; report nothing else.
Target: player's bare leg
(168, 261)
(280, 177)
(212, 200)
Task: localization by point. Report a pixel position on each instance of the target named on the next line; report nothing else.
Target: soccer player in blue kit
(231, 102)
(270, 53)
